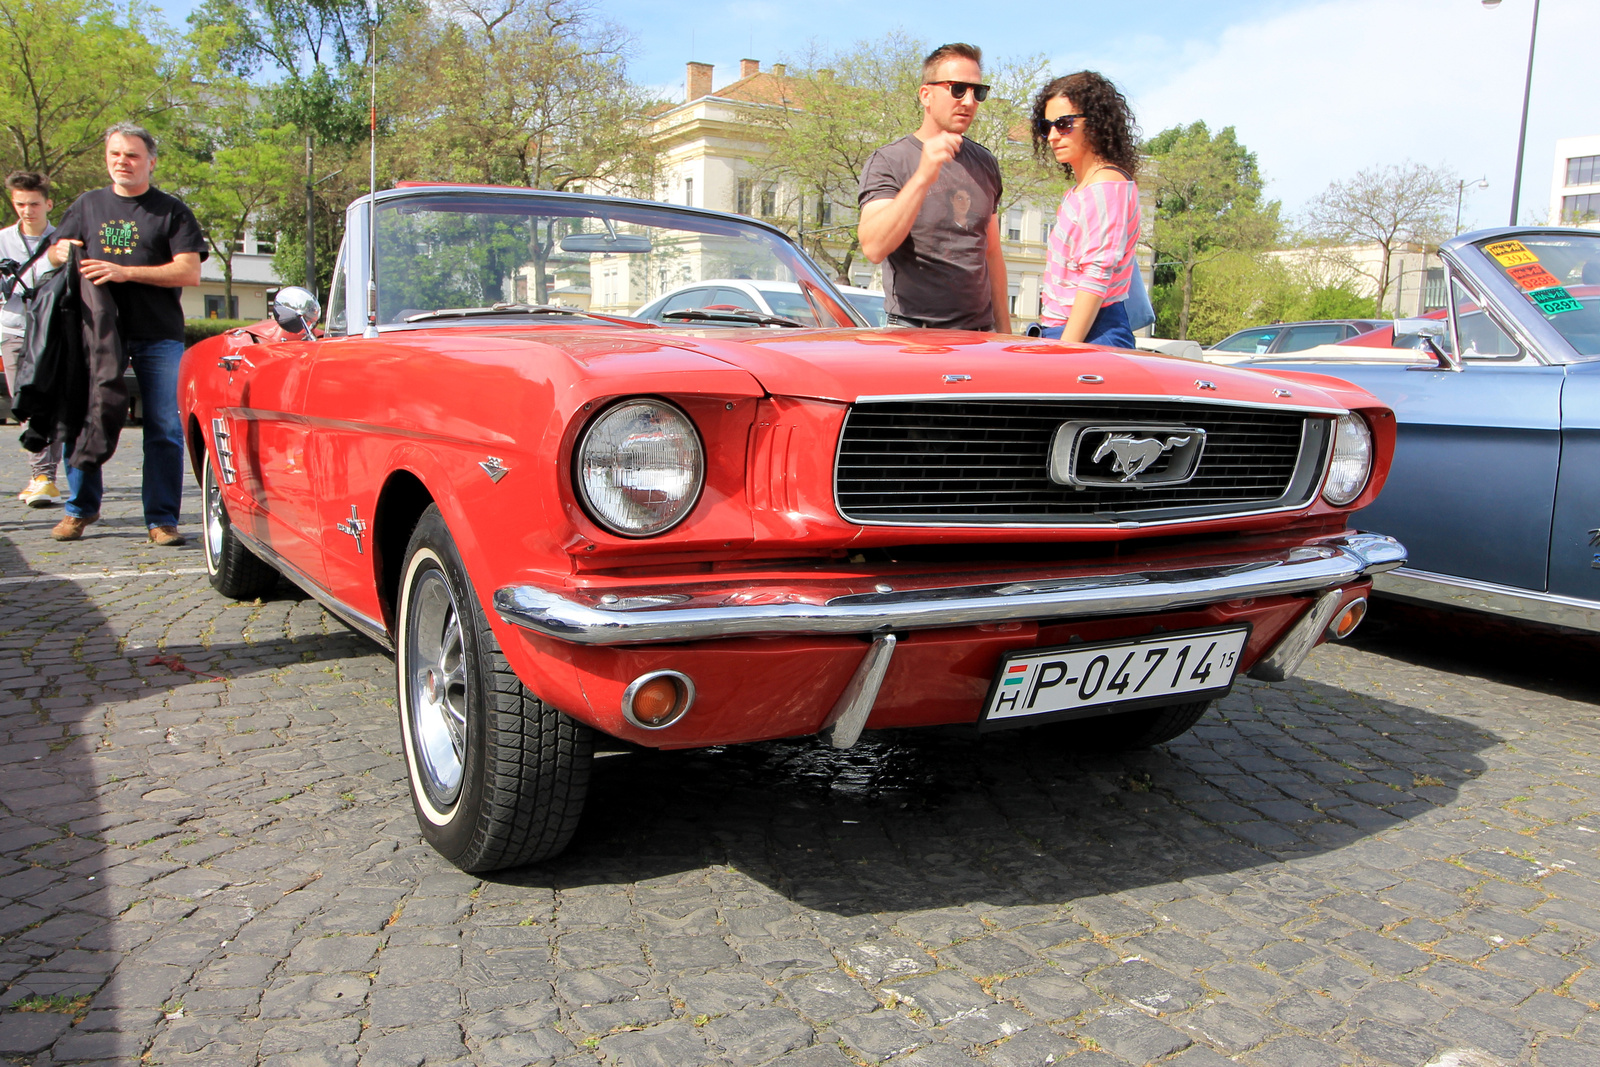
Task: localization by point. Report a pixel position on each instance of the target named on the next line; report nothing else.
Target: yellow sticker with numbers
(1511, 253)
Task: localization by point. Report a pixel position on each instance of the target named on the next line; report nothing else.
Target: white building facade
(1575, 186)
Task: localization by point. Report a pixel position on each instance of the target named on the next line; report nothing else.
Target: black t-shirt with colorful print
(147, 230)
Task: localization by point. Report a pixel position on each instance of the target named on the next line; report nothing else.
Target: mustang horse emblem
(1133, 455)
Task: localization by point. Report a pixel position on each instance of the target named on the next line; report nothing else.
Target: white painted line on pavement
(97, 576)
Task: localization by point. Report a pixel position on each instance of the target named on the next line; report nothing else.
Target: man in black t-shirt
(146, 246)
(928, 206)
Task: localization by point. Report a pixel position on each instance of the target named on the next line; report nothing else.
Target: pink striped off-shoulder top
(1092, 247)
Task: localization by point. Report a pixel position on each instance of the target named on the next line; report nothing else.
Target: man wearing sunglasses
(928, 206)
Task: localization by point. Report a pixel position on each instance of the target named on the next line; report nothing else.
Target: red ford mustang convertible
(739, 525)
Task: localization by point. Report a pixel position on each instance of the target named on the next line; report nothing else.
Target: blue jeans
(1110, 327)
(155, 364)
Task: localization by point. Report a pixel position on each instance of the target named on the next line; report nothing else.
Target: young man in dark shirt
(145, 245)
(928, 206)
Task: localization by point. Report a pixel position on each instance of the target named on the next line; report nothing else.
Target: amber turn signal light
(1348, 619)
(658, 699)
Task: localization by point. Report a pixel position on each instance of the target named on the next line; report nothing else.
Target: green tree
(232, 171)
(1208, 197)
(318, 52)
(1388, 207)
(518, 92)
(73, 67)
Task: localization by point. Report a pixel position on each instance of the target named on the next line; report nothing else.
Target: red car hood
(845, 365)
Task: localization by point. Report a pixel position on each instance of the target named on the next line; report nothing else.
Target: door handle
(231, 363)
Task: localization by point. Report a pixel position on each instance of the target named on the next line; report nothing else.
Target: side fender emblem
(494, 468)
(355, 526)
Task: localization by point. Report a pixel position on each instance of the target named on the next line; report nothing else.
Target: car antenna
(372, 192)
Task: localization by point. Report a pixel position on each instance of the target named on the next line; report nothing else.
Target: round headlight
(1352, 460)
(640, 468)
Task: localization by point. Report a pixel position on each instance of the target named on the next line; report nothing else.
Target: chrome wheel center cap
(430, 686)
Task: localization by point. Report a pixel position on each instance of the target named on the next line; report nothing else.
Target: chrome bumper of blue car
(669, 614)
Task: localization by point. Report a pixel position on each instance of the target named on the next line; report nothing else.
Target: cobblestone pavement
(207, 855)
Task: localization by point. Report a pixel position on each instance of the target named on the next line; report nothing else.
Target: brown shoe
(71, 527)
(167, 536)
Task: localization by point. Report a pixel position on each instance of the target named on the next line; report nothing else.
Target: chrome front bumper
(743, 610)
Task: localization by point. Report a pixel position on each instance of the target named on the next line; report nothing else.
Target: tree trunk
(227, 286)
(1383, 278)
(1188, 294)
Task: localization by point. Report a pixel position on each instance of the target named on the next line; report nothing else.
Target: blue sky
(1319, 89)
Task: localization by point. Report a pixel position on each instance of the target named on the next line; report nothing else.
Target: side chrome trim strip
(582, 618)
(1471, 595)
(1291, 651)
(362, 624)
(850, 713)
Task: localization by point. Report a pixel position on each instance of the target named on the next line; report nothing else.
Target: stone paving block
(1228, 1027)
(781, 959)
(1476, 1029)
(828, 995)
(1383, 954)
(756, 1035)
(414, 1046)
(718, 993)
(26, 1033)
(1148, 986)
(641, 1011)
(879, 1034)
(882, 960)
(1110, 918)
(670, 1044)
(1134, 1037)
(1295, 1051)
(1563, 1052)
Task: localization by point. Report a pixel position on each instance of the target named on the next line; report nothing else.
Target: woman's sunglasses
(1062, 124)
(980, 93)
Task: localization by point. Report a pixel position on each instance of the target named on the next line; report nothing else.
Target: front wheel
(233, 569)
(498, 777)
(1130, 730)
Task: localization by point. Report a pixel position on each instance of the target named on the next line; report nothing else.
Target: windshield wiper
(500, 309)
(707, 315)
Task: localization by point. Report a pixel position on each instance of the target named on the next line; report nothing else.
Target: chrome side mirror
(296, 310)
(1428, 335)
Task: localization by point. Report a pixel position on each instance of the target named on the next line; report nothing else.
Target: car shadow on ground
(1547, 659)
(912, 820)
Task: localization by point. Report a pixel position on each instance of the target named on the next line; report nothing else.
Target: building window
(1583, 170)
(1584, 207)
(1045, 225)
(266, 245)
(742, 196)
(1433, 290)
(688, 192)
(824, 211)
(1013, 225)
(214, 307)
(769, 202)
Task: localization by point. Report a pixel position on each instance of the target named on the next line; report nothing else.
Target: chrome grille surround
(985, 461)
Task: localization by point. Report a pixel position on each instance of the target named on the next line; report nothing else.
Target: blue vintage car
(1495, 488)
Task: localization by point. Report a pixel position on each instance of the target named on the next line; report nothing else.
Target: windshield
(1559, 276)
(871, 307)
(472, 251)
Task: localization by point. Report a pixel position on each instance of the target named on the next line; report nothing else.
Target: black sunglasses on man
(980, 93)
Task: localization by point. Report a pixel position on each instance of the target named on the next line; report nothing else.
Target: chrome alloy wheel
(213, 530)
(437, 681)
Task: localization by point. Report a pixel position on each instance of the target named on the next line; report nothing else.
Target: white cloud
(1331, 88)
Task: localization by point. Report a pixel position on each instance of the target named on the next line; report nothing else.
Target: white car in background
(754, 296)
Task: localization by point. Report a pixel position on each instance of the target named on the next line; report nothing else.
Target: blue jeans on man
(155, 365)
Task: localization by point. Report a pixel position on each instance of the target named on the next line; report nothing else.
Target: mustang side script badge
(1141, 455)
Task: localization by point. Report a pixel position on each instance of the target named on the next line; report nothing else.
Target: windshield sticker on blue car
(1511, 253)
(1555, 300)
(1532, 276)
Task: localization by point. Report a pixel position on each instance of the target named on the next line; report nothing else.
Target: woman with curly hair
(1084, 122)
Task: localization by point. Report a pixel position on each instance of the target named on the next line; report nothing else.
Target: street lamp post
(1461, 189)
(1527, 87)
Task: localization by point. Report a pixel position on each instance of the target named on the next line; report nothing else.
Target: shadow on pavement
(911, 820)
(1547, 659)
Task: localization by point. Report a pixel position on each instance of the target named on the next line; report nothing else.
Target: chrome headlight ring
(1350, 465)
(639, 467)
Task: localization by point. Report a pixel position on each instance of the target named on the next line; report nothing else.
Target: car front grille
(986, 462)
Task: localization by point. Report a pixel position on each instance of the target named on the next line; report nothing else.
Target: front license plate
(1144, 671)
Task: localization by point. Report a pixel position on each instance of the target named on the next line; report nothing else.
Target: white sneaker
(41, 493)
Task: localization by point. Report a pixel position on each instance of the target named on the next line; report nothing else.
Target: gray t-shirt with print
(940, 273)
